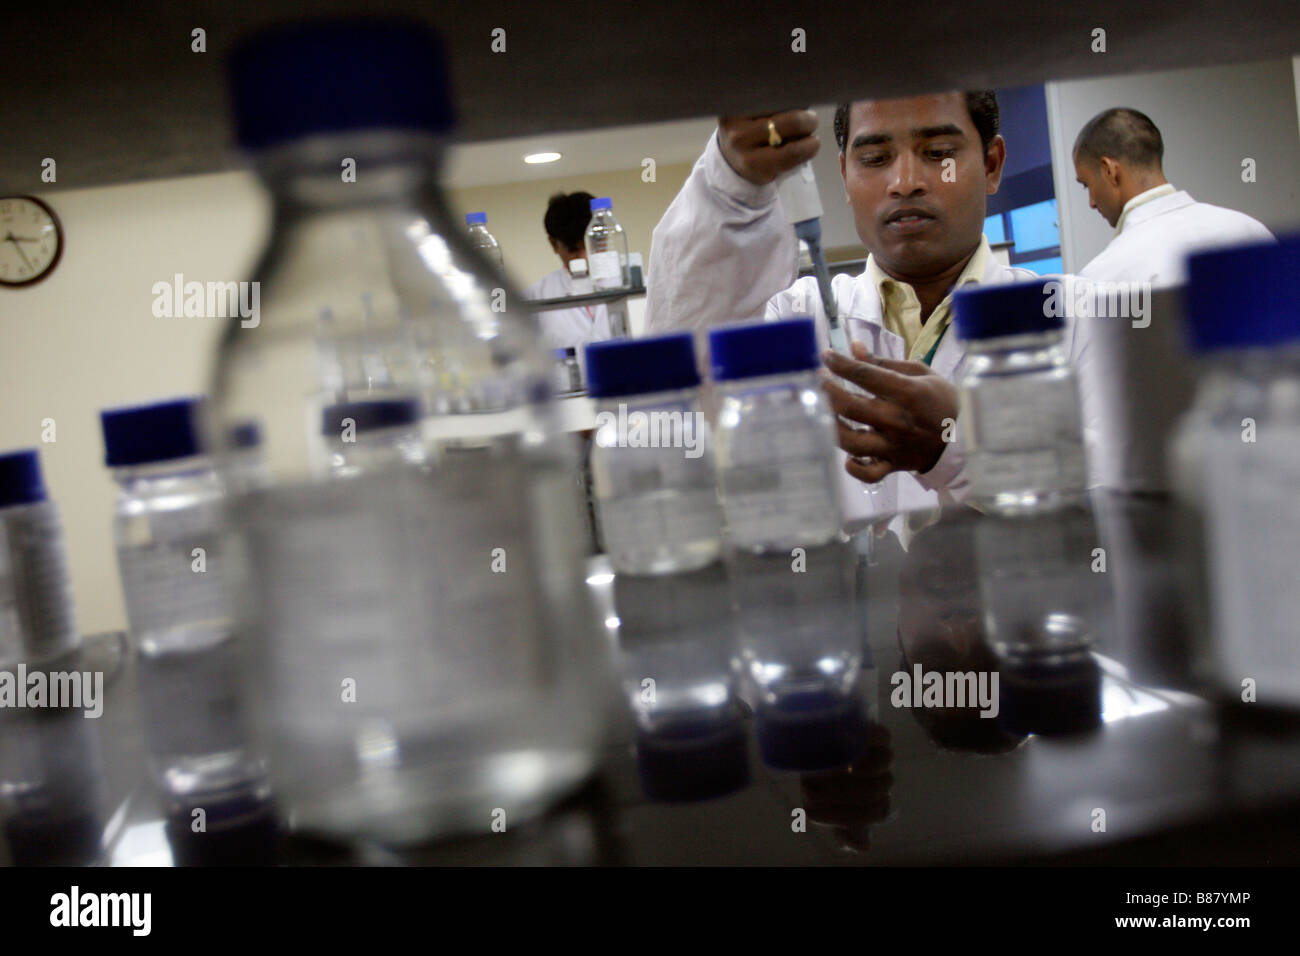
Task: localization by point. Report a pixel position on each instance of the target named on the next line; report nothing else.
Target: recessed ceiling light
(536, 158)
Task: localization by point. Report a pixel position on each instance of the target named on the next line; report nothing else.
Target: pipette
(803, 209)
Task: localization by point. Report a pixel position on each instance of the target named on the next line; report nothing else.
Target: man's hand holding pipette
(761, 148)
(906, 409)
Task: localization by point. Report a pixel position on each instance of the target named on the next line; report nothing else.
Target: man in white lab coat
(1118, 158)
(917, 173)
(566, 226)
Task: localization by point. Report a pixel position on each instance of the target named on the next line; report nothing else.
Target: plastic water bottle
(166, 527)
(652, 456)
(606, 247)
(422, 648)
(481, 239)
(777, 475)
(38, 625)
(1237, 454)
(1019, 410)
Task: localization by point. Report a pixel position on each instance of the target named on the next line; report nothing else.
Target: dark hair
(981, 104)
(1121, 133)
(567, 217)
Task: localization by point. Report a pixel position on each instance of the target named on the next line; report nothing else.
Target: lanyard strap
(929, 356)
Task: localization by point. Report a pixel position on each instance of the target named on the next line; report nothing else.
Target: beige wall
(86, 338)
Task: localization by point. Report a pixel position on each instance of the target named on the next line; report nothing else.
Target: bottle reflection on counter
(52, 795)
(675, 637)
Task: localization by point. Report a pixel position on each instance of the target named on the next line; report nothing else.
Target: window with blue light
(1033, 233)
(1034, 226)
(995, 229)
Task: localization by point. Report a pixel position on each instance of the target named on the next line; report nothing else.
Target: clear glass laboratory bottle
(422, 646)
(481, 239)
(652, 456)
(606, 247)
(775, 438)
(166, 528)
(38, 625)
(1019, 399)
(367, 436)
(1236, 457)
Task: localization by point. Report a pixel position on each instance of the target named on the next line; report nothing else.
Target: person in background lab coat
(1118, 158)
(566, 226)
(723, 252)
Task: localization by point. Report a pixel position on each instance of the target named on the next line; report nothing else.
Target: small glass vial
(38, 625)
(166, 528)
(776, 446)
(1019, 396)
(245, 468)
(568, 375)
(1237, 458)
(370, 435)
(652, 457)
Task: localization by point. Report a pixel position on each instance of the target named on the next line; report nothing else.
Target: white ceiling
(494, 162)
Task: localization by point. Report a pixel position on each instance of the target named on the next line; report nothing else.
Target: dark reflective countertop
(767, 716)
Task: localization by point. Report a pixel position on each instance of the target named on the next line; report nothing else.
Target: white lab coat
(1151, 246)
(1158, 235)
(567, 328)
(723, 252)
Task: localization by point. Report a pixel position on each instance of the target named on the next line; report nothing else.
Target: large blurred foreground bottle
(1236, 458)
(423, 658)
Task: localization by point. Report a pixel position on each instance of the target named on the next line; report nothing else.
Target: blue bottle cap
(1244, 297)
(370, 415)
(331, 76)
(1018, 308)
(476, 219)
(141, 434)
(763, 348)
(246, 435)
(640, 366)
(603, 203)
(20, 478)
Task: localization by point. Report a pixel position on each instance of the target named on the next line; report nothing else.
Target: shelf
(595, 298)
(114, 92)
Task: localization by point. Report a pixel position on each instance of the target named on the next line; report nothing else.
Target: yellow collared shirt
(900, 309)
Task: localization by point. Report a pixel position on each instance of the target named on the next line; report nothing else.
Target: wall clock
(31, 240)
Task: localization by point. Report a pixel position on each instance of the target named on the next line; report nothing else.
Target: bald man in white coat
(1118, 158)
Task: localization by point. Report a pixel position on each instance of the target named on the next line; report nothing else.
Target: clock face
(31, 240)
